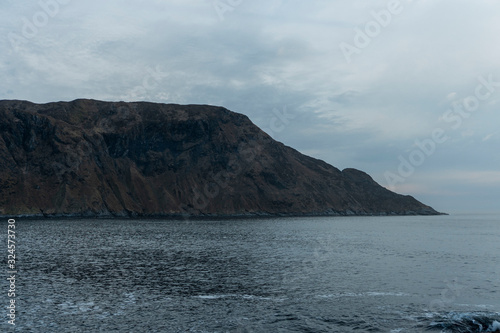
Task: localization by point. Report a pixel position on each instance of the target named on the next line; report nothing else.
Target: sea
(300, 274)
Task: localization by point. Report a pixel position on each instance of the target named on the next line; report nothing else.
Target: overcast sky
(407, 91)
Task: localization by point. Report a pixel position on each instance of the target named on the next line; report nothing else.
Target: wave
(218, 296)
(364, 294)
(456, 322)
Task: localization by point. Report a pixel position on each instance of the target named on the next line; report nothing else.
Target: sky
(405, 90)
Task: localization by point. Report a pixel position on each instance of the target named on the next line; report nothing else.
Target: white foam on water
(248, 297)
(386, 294)
(480, 306)
(72, 308)
(476, 320)
(212, 296)
(495, 326)
(365, 294)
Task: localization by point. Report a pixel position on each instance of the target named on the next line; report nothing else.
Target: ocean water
(322, 274)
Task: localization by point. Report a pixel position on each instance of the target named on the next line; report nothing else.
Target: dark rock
(98, 159)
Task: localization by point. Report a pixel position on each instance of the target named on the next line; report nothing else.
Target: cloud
(266, 55)
(489, 136)
(490, 178)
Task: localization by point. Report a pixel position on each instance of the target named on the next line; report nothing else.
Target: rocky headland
(88, 158)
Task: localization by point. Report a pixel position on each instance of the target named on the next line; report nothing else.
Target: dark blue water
(331, 274)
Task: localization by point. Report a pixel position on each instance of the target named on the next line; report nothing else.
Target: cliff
(97, 159)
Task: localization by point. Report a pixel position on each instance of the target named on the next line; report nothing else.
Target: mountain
(96, 159)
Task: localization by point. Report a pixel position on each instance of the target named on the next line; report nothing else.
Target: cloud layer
(363, 82)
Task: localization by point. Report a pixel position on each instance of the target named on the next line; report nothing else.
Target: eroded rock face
(92, 158)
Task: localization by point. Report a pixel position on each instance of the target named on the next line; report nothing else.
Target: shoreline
(256, 215)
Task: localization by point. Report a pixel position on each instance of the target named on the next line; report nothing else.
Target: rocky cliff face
(92, 158)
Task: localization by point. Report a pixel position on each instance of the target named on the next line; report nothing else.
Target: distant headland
(89, 158)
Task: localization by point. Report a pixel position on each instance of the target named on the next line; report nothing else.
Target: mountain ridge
(89, 158)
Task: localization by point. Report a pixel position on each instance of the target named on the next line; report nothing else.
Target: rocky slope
(92, 158)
